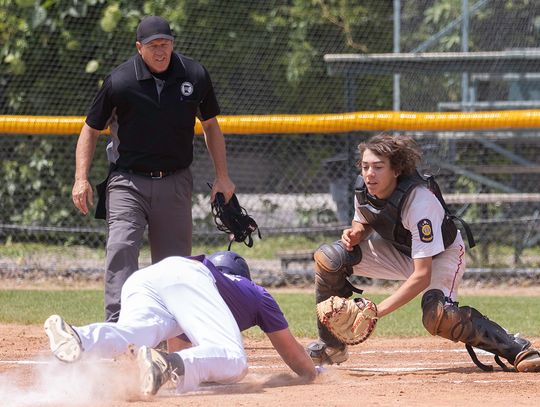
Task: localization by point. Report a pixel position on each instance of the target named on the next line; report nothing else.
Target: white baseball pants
(173, 297)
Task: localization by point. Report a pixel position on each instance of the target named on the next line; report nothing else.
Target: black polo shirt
(151, 131)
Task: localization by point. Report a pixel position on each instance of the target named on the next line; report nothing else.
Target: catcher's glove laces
(234, 220)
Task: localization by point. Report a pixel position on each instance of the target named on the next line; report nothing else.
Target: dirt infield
(381, 372)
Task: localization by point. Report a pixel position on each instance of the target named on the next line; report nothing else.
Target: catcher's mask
(230, 263)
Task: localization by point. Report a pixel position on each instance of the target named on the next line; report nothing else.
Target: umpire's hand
(223, 185)
(82, 195)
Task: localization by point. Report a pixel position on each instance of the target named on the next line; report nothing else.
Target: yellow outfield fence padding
(312, 123)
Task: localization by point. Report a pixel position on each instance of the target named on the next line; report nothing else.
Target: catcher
(402, 230)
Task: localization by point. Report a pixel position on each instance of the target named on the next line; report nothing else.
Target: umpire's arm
(293, 353)
(81, 193)
(215, 143)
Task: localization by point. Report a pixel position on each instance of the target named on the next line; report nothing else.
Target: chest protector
(384, 216)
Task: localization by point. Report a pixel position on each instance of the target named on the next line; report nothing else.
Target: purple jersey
(249, 303)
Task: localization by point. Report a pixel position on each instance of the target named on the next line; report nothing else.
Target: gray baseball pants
(134, 202)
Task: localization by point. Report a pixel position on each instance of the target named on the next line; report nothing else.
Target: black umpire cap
(153, 27)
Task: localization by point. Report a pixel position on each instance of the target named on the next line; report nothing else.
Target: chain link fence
(294, 184)
(268, 58)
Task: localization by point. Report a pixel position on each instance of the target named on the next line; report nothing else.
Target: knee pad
(447, 320)
(333, 264)
(432, 310)
(333, 257)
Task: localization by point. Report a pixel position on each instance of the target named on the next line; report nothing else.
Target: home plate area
(421, 371)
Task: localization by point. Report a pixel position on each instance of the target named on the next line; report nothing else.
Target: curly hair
(402, 151)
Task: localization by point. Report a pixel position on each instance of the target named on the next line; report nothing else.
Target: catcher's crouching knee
(432, 310)
(449, 321)
(334, 257)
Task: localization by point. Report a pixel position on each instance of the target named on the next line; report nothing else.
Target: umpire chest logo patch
(186, 88)
(426, 230)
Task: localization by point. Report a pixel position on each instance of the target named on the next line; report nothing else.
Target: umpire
(149, 104)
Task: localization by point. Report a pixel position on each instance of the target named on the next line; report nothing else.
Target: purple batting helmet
(230, 263)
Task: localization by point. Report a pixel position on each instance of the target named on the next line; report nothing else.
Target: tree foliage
(264, 57)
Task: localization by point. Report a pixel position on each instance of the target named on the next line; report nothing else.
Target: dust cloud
(50, 382)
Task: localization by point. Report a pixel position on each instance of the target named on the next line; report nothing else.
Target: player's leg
(106, 339)
(382, 261)
(217, 354)
(170, 221)
(143, 322)
(333, 265)
(157, 368)
(103, 339)
(445, 318)
(126, 219)
(64, 342)
(448, 268)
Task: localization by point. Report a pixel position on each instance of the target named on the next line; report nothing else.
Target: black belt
(149, 174)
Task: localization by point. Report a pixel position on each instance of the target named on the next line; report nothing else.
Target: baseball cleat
(528, 361)
(64, 341)
(322, 354)
(154, 370)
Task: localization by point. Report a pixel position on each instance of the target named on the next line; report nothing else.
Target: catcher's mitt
(351, 321)
(231, 218)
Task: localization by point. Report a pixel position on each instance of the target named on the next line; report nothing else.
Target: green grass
(23, 250)
(265, 248)
(407, 321)
(79, 307)
(268, 246)
(32, 307)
